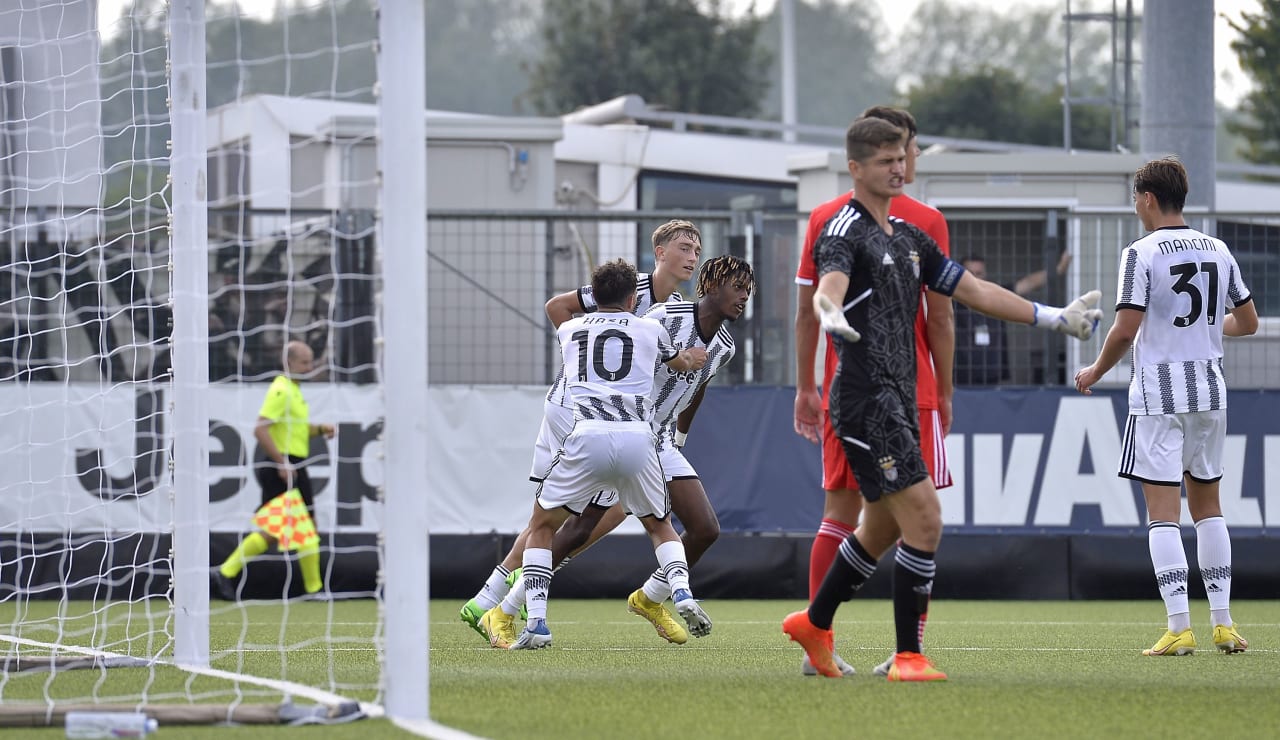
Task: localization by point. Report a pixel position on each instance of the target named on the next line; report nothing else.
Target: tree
(994, 105)
(839, 71)
(1258, 49)
(945, 37)
(667, 51)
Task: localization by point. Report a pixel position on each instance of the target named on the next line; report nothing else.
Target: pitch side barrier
(1036, 510)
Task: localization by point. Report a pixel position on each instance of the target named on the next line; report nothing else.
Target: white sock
(537, 581)
(1213, 550)
(1170, 563)
(514, 600)
(495, 587)
(674, 565)
(656, 589)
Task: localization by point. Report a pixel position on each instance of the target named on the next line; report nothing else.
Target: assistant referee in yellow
(287, 515)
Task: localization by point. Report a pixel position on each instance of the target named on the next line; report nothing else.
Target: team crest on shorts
(890, 468)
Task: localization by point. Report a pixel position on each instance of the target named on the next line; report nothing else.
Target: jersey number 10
(597, 354)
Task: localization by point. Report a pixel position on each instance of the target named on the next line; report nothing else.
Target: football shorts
(557, 422)
(836, 474)
(605, 455)
(1160, 448)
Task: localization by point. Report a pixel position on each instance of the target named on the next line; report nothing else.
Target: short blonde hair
(674, 228)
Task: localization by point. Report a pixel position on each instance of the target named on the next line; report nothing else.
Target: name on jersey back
(619, 320)
(1186, 245)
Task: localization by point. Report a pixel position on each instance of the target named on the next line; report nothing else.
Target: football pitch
(1017, 669)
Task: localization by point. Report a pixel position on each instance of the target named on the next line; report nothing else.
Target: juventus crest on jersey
(609, 361)
(674, 391)
(586, 298)
(1186, 282)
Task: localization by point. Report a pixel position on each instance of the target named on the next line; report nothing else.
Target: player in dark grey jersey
(872, 268)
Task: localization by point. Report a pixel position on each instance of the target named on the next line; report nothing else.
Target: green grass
(1018, 669)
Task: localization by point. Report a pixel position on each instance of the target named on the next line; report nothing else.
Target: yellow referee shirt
(291, 427)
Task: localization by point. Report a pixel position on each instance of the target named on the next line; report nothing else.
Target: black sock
(851, 568)
(912, 581)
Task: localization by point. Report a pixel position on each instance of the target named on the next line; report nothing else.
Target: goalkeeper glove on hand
(1078, 318)
(833, 320)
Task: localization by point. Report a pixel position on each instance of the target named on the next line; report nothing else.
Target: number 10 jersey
(1186, 282)
(609, 362)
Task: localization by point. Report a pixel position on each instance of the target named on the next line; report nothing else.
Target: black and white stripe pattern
(1186, 282)
(839, 223)
(1181, 387)
(855, 559)
(558, 394)
(926, 568)
(1216, 573)
(1176, 577)
(673, 391)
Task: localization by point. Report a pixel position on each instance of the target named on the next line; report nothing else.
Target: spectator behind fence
(981, 344)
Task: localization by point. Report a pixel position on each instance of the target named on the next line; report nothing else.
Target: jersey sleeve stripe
(1130, 275)
(840, 224)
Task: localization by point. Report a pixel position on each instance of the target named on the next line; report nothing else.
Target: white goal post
(185, 190)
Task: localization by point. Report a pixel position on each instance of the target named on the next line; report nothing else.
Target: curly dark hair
(725, 270)
(612, 282)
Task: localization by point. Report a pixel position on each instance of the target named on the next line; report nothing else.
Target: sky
(1230, 82)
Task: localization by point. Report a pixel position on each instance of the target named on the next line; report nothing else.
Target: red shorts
(836, 474)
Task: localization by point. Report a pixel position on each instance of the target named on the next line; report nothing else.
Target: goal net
(190, 208)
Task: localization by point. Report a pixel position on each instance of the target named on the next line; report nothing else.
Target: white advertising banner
(87, 459)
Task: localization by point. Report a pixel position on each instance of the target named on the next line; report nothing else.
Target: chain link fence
(311, 275)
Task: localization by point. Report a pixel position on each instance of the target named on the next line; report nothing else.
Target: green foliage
(994, 105)
(840, 65)
(998, 75)
(1258, 48)
(669, 52)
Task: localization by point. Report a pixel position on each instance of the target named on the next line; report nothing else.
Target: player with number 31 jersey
(1193, 278)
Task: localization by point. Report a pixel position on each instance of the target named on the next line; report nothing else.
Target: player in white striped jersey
(1179, 292)
(677, 246)
(610, 358)
(725, 285)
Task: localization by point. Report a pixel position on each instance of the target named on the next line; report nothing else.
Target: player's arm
(685, 420)
(561, 308)
(1242, 321)
(262, 433)
(1119, 339)
(321, 429)
(687, 360)
(807, 415)
(1078, 318)
(940, 329)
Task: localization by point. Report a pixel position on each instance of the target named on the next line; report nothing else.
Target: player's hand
(327, 430)
(1086, 377)
(698, 356)
(833, 321)
(808, 414)
(1078, 318)
(287, 472)
(945, 413)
